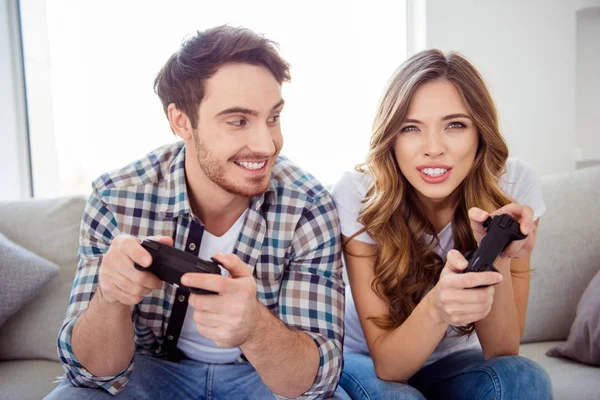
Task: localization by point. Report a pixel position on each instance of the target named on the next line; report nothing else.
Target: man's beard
(217, 174)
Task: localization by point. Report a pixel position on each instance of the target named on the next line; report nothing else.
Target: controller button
(170, 337)
(181, 298)
(504, 221)
(192, 246)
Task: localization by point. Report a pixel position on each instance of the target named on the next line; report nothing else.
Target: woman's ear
(180, 123)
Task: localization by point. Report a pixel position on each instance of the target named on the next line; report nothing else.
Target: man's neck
(215, 207)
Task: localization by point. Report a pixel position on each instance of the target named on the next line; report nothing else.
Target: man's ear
(180, 123)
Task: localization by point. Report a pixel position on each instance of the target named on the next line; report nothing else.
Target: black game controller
(501, 231)
(169, 264)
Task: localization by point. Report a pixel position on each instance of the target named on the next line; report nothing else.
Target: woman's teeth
(433, 172)
(250, 166)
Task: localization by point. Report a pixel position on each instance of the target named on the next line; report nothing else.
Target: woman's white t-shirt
(520, 183)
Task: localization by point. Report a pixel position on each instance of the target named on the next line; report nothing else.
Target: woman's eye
(409, 128)
(455, 125)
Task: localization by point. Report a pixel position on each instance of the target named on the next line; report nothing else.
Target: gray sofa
(566, 258)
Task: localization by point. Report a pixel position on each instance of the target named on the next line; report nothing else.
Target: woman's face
(437, 142)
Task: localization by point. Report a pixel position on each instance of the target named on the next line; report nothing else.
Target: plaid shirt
(291, 238)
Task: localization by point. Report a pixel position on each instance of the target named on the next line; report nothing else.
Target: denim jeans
(154, 378)
(461, 375)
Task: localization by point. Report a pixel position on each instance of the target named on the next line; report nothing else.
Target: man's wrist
(106, 305)
(256, 337)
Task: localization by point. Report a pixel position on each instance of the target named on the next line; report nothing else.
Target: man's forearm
(286, 360)
(102, 338)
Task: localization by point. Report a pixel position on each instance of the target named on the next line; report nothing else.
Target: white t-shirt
(191, 342)
(520, 182)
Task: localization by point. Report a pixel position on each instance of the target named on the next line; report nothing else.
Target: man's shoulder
(143, 174)
(295, 185)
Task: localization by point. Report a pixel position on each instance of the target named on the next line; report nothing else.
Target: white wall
(588, 84)
(14, 161)
(526, 52)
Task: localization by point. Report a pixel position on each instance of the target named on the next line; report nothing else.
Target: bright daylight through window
(90, 67)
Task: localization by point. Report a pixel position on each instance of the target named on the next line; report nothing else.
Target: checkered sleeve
(312, 293)
(98, 227)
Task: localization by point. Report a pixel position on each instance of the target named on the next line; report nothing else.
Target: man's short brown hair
(181, 80)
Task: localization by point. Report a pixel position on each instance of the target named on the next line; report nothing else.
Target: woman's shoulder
(352, 182)
(516, 168)
(348, 194)
(518, 175)
(522, 183)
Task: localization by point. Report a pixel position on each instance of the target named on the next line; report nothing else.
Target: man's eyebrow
(247, 111)
(238, 110)
(279, 104)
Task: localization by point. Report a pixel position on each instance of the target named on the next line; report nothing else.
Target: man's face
(238, 137)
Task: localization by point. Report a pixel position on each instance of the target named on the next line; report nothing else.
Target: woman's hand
(456, 299)
(522, 214)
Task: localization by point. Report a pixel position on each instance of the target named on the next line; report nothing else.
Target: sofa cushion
(28, 380)
(23, 274)
(583, 344)
(567, 254)
(570, 380)
(50, 228)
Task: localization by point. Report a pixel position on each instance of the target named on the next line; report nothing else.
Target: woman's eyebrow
(457, 115)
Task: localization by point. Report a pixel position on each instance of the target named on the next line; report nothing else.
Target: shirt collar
(178, 204)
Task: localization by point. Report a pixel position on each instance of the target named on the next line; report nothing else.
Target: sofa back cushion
(50, 229)
(23, 275)
(567, 253)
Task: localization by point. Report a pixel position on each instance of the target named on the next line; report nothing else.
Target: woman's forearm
(398, 355)
(500, 332)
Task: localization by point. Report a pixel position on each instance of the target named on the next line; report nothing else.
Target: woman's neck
(439, 211)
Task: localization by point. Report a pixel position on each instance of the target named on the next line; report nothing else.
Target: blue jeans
(462, 375)
(154, 378)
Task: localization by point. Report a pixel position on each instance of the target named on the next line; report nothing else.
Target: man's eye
(238, 122)
(274, 119)
(456, 125)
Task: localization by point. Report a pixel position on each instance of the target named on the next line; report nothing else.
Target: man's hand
(456, 299)
(119, 281)
(522, 214)
(234, 315)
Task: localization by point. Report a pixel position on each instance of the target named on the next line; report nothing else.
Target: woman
(416, 326)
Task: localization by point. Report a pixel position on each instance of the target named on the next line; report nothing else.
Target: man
(276, 325)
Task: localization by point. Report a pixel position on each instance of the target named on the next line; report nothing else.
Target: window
(90, 68)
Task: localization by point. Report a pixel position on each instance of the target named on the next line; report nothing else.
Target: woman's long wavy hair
(406, 266)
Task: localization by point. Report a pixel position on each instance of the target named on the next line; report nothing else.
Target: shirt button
(192, 246)
(170, 337)
(181, 298)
